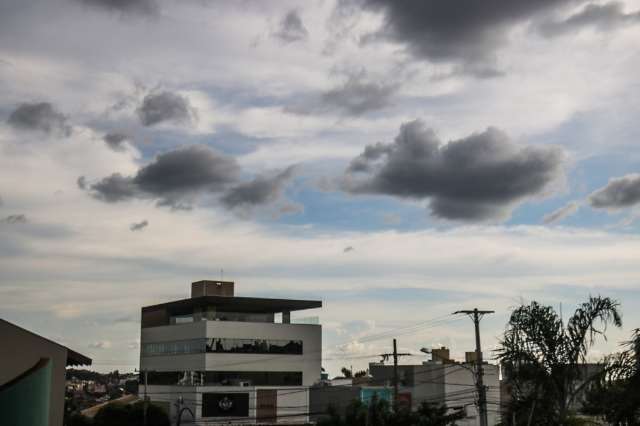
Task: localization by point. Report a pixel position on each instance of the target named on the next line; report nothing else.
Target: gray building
(227, 358)
(32, 377)
(443, 381)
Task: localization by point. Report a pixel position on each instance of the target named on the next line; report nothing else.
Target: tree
(616, 396)
(542, 357)
(116, 414)
(431, 414)
(378, 413)
(347, 373)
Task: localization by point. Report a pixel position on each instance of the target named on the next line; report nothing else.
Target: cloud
(40, 116)
(262, 189)
(450, 31)
(113, 188)
(172, 178)
(355, 97)
(619, 193)
(142, 7)
(348, 249)
(291, 28)
(165, 107)
(82, 182)
(116, 141)
(561, 213)
(15, 219)
(481, 177)
(603, 17)
(139, 226)
(101, 344)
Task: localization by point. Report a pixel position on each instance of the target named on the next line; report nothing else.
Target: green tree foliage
(616, 396)
(379, 413)
(130, 415)
(347, 373)
(542, 356)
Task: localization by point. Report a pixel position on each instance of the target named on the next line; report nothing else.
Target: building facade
(227, 358)
(443, 381)
(32, 377)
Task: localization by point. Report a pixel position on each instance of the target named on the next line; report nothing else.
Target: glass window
(225, 378)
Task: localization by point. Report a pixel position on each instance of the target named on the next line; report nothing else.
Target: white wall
(309, 363)
(459, 391)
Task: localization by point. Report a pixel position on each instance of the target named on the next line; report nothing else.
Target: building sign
(366, 394)
(216, 404)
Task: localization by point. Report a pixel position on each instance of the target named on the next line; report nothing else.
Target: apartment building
(226, 358)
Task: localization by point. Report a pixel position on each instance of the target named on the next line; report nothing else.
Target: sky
(397, 160)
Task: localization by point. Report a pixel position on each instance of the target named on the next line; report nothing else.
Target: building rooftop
(73, 357)
(235, 304)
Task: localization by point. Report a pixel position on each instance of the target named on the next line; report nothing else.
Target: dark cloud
(139, 226)
(15, 219)
(355, 97)
(82, 182)
(480, 177)
(114, 188)
(561, 213)
(469, 31)
(619, 193)
(604, 17)
(116, 141)
(172, 178)
(291, 28)
(164, 106)
(262, 189)
(142, 7)
(41, 116)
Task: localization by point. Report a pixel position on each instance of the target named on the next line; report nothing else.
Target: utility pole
(146, 400)
(395, 356)
(476, 315)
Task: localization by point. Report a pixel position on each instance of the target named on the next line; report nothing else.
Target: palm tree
(543, 359)
(616, 396)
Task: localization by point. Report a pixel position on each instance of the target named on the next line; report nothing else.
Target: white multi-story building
(227, 359)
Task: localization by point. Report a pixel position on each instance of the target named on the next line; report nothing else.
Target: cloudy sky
(398, 160)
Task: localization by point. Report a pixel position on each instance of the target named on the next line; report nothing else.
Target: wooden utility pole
(476, 315)
(395, 356)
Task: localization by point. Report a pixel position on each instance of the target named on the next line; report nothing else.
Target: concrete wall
(292, 402)
(21, 350)
(309, 363)
(460, 391)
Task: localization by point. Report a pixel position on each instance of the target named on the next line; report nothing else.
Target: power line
(476, 315)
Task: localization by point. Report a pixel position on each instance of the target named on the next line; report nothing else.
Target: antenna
(221, 274)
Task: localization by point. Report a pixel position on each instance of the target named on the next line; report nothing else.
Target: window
(254, 346)
(223, 345)
(225, 378)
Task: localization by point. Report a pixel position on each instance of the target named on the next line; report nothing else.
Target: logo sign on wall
(225, 404)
